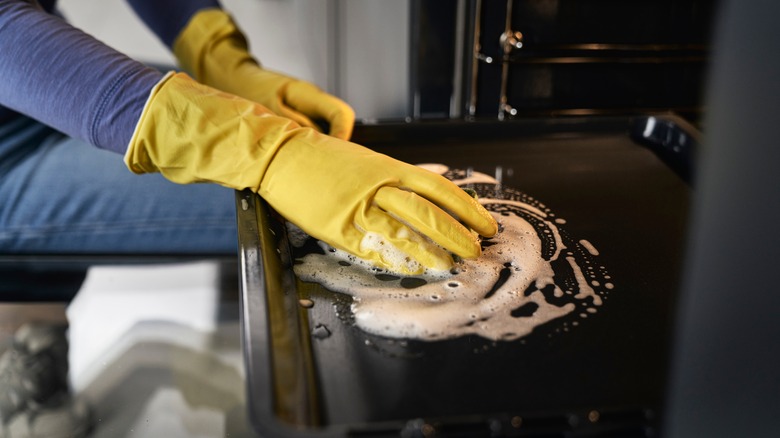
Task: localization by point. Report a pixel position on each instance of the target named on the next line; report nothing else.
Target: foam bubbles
(531, 273)
(390, 254)
(589, 246)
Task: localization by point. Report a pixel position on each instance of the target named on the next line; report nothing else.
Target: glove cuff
(211, 47)
(191, 133)
(136, 159)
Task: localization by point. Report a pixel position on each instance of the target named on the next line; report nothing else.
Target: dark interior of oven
(498, 59)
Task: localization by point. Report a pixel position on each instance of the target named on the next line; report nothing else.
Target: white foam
(589, 246)
(454, 305)
(518, 264)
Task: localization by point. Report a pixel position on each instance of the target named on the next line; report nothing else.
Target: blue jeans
(62, 196)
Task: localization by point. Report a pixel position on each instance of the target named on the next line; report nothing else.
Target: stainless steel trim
(472, 110)
(503, 108)
(456, 100)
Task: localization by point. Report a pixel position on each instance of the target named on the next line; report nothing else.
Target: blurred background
(357, 49)
(150, 368)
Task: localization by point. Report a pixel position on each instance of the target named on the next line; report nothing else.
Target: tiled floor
(154, 350)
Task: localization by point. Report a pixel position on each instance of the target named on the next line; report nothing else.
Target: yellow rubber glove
(337, 191)
(213, 49)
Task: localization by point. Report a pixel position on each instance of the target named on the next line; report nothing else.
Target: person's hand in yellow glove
(213, 49)
(348, 196)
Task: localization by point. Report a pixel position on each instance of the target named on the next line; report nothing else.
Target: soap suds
(531, 273)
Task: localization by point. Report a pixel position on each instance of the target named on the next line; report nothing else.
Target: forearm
(63, 77)
(167, 18)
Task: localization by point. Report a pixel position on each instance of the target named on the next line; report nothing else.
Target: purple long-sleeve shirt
(63, 77)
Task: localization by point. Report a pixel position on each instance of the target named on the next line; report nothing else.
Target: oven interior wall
(502, 59)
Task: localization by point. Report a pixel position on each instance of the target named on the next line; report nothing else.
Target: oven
(592, 108)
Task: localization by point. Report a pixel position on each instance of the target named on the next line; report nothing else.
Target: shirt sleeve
(64, 78)
(167, 18)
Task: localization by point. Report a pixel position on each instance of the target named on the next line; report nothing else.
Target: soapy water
(531, 273)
